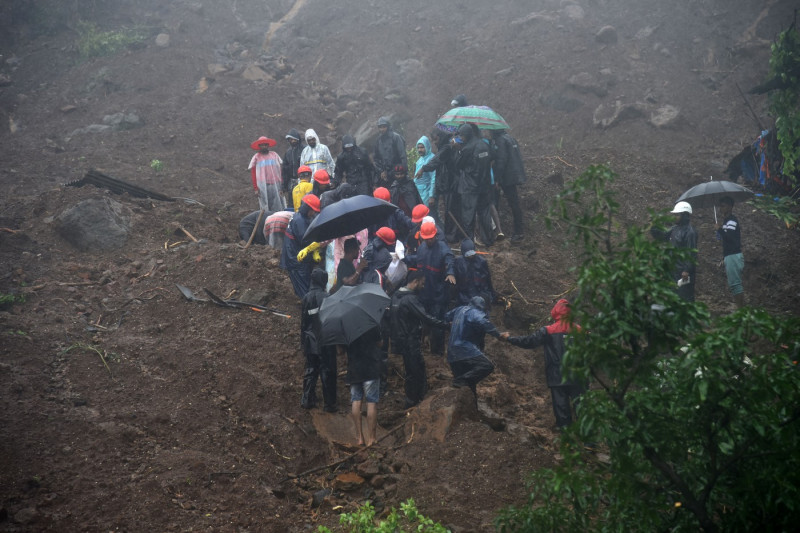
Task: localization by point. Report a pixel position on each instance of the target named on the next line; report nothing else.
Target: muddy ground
(127, 408)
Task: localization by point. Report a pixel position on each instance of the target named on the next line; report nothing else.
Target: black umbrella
(708, 194)
(352, 311)
(347, 217)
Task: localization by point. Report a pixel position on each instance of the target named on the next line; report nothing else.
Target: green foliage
(157, 165)
(93, 42)
(7, 300)
(699, 418)
(784, 208)
(413, 156)
(406, 520)
(785, 102)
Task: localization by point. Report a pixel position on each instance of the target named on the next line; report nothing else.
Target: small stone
(26, 516)
(606, 35)
(319, 497)
(162, 40)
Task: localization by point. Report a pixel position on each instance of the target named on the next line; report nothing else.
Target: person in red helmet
(435, 259)
(398, 221)
(419, 215)
(299, 268)
(565, 391)
(303, 187)
(265, 173)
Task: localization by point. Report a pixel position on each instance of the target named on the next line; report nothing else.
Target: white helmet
(682, 207)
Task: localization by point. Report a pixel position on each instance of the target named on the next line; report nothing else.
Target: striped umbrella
(484, 117)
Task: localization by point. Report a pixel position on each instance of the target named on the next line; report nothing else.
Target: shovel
(188, 294)
(235, 303)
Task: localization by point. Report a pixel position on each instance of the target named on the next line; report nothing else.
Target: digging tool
(259, 221)
(236, 303)
(188, 294)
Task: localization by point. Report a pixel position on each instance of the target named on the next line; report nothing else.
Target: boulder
(123, 121)
(664, 116)
(162, 40)
(606, 35)
(94, 225)
(586, 83)
(255, 73)
(607, 115)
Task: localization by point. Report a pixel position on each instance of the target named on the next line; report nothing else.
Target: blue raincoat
(427, 181)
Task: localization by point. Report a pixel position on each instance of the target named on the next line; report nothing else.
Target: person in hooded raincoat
(404, 193)
(265, 173)
(425, 181)
(389, 151)
(297, 265)
(474, 180)
(316, 155)
(469, 326)
(354, 166)
(445, 187)
(399, 222)
(291, 161)
(554, 338)
(320, 360)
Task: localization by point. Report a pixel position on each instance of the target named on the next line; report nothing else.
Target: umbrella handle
(715, 215)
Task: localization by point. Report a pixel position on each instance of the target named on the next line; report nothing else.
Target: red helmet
(322, 177)
(382, 193)
(419, 212)
(428, 230)
(312, 201)
(304, 168)
(387, 235)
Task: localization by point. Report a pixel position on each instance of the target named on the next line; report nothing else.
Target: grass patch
(93, 42)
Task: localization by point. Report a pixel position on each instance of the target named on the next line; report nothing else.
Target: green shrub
(407, 520)
(784, 65)
(93, 42)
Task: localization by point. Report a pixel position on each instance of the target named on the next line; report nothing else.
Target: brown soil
(126, 407)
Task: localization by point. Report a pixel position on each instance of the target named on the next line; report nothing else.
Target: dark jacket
(293, 239)
(310, 325)
(407, 316)
(413, 240)
(405, 195)
(473, 168)
(436, 261)
(400, 223)
(379, 257)
(507, 160)
(443, 163)
(731, 235)
(390, 150)
(473, 277)
(553, 338)
(355, 166)
(291, 161)
(364, 357)
(469, 326)
(681, 235)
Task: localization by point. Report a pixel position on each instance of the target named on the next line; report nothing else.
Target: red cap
(419, 212)
(263, 140)
(386, 235)
(322, 177)
(382, 193)
(428, 230)
(304, 168)
(311, 201)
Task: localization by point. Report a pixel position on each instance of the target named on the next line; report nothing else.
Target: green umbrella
(484, 117)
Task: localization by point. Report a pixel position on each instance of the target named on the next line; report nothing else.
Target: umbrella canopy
(352, 311)
(708, 194)
(484, 117)
(347, 217)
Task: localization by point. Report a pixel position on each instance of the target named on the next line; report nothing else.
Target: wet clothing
(389, 151)
(299, 272)
(509, 172)
(436, 261)
(364, 358)
(265, 173)
(291, 162)
(473, 277)
(407, 316)
(731, 235)
(355, 167)
(249, 222)
(682, 235)
(300, 190)
(426, 183)
(469, 325)
(553, 339)
(317, 157)
(320, 360)
(275, 227)
(398, 221)
(405, 195)
(474, 184)
(443, 163)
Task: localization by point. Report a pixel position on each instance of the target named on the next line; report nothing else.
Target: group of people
(451, 197)
(683, 235)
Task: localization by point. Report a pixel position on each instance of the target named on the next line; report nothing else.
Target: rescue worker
(473, 277)
(389, 151)
(291, 161)
(299, 265)
(509, 172)
(682, 235)
(320, 360)
(354, 166)
(265, 173)
(316, 155)
(404, 193)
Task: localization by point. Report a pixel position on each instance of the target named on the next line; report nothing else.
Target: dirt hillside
(126, 407)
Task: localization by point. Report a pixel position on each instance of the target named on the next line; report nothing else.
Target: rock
(255, 73)
(123, 121)
(664, 116)
(52, 145)
(5, 80)
(585, 83)
(318, 497)
(606, 115)
(560, 102)
(368, 468)
(606, 35)
(94, 224)
(354, 106)
(574, 12)
(378, 481)
(215, 69)
(68, 108)
(348, 481)
(531, 17)
(162, 40)
(26, 515)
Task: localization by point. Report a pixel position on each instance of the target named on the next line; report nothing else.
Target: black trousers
(512, 197)
(321, 366)
(564, 397)
(471, 371)
(436, 310)
(416, 378)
